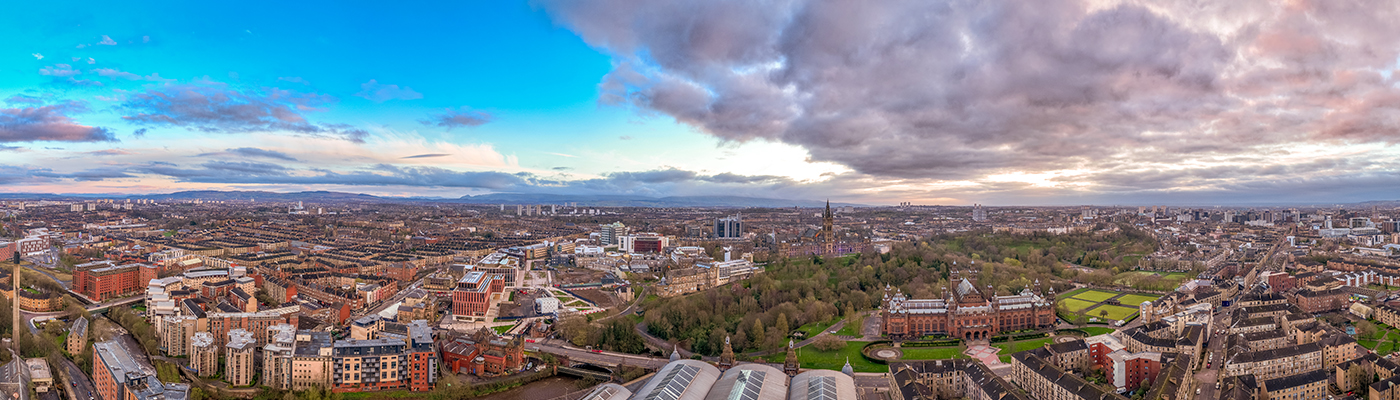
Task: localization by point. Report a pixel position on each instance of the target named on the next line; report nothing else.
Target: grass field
(1114, 312)
(1073, 293)
(501, 330)
(1076, 305)
(852, 328)
(1009, 348)
(814, 328)
(931, 353)
(1095, 295)
(1135, 299)
(1096, 330)
(812, 358)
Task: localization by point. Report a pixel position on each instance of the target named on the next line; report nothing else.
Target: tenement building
(968, 313)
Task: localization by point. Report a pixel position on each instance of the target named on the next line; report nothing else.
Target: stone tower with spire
(726, 358)
(790, 365)
(828, 240)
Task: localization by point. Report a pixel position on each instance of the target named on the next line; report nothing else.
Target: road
(604, 358)
(78, 382)
(1206, 378)
(397, 297)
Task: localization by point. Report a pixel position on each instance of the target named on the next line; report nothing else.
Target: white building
(546, 305)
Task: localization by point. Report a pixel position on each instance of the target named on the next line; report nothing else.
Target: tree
(1366, 329)
(829, 343)
(782, 325)
(757, 331)
(1103, 314)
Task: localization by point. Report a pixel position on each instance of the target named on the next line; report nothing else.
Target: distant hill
(641, 201)
(495, 198)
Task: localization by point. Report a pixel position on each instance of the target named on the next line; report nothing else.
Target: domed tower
(675, 353)
(846, 369)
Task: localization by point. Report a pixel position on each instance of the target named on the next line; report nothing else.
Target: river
(543, 389)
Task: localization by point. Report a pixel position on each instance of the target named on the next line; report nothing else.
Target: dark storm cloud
(251, 152)
(955, 90)
(213, 107)
(457, 118)
(49, 123)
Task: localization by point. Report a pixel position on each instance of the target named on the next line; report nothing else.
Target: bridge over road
(596, 357)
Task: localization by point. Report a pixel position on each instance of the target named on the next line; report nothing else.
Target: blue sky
(872, 103)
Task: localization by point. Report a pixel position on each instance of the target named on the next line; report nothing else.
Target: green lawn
(812, 358)
(1073, 293)
(850, 329)
(1009, 348)
(501, 330)
(1096, 330)
(1385, 348)
(1114, 312)
(1095, 295)
(931, 353)
(815, 328)
(1076, 305)
(1369, 344)
(1135, 299)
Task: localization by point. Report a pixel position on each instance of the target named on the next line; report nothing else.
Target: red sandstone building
(483, 354)
(967, 314)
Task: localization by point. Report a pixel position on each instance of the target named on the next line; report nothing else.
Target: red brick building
(474, 293)
(108, 282)
(1314, 302)
(1281, 282)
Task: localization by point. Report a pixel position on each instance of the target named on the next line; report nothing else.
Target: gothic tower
(726, 358)
(828, 231)
(790, 365)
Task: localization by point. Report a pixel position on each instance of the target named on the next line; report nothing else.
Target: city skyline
(1061, 103)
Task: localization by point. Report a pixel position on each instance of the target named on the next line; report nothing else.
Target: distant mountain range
(494, 198)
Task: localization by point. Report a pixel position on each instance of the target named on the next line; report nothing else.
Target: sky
(1054, 102)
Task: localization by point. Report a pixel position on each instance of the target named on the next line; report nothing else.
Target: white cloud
(38, 56)
(91, 61)
(379, 93)
(107, 41)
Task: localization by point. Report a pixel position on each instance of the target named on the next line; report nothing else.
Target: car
(1198, 390)
(597, 351)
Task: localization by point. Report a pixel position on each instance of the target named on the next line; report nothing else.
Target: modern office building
(610, 234)
(731, 227)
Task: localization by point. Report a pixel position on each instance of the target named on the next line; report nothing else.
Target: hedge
(933, 343)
